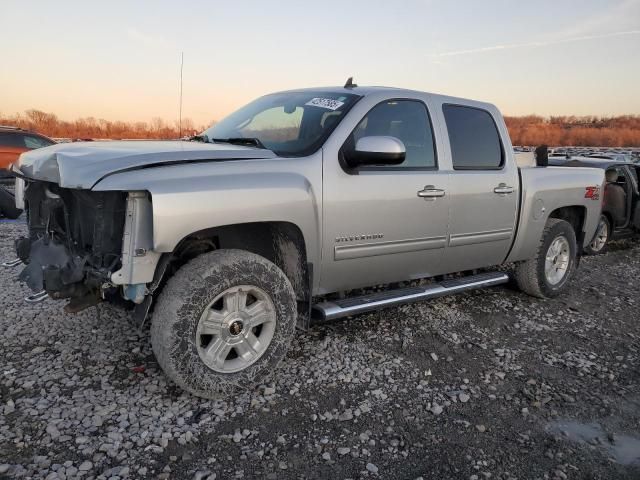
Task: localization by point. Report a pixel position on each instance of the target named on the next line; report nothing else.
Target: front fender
(196, 197)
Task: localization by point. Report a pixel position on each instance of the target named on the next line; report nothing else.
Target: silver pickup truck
(279, 212)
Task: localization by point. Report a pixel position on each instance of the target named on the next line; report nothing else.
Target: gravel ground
(489, 384)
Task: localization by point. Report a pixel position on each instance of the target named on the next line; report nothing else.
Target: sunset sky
(120, 60)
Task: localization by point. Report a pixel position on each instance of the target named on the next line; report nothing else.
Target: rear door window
(474, 138)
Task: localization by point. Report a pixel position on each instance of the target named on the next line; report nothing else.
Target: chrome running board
(331, 310)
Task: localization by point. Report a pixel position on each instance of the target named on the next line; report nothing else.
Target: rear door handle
(503, 189)
(430, 193)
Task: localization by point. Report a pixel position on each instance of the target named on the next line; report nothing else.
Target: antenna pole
(180, 114)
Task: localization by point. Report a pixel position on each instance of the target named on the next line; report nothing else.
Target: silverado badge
(364, 236)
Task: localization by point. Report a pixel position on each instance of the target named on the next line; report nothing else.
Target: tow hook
(12, 263)
(36, 297)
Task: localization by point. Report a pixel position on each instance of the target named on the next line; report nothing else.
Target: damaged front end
(74, 244)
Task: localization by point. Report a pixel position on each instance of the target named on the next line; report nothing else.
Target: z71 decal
(592, 192)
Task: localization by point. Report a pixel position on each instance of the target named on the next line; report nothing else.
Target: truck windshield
(292, 124)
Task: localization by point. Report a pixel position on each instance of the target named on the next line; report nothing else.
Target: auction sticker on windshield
(328, 103)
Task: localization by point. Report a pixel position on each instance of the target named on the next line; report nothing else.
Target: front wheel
(547, 274)
(601, 238)
(223, 322)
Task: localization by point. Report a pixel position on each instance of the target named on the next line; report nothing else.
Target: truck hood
(83, 164)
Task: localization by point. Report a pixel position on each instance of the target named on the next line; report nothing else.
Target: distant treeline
(621, 131)
(52, 126)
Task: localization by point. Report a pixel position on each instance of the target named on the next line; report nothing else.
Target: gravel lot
(490, 384)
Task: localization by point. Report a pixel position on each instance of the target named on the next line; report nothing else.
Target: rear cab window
(474, 138)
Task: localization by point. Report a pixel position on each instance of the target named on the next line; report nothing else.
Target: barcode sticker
(328, 103)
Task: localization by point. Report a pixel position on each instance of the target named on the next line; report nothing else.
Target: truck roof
(394, 91)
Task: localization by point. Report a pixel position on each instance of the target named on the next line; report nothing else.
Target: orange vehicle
(14, 141)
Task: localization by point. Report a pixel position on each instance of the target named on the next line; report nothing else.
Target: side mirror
(542, 156)
(378, 150)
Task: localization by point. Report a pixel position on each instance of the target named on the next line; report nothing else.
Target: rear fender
(548, 190)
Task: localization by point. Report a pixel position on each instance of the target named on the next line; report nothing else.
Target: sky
(120, 60)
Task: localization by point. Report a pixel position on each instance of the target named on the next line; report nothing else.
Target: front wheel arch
(282, 243)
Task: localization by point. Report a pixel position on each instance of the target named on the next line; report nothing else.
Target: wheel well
(575, 215)
(279, 242)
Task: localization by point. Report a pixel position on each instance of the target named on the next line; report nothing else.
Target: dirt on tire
(182, 301)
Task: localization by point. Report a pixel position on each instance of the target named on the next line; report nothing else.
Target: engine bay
(74, 242)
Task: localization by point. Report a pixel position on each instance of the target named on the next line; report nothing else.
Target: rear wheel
(223, 323)
(547, 274)
(601, 238)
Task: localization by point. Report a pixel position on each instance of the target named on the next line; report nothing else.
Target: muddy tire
(601, 239)
(547, 274)
(223, 323)
(8, 205)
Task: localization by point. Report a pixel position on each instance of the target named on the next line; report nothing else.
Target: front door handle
(430, 193)
(503, 189)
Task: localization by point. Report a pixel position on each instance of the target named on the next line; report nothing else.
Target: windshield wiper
(253, 142)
